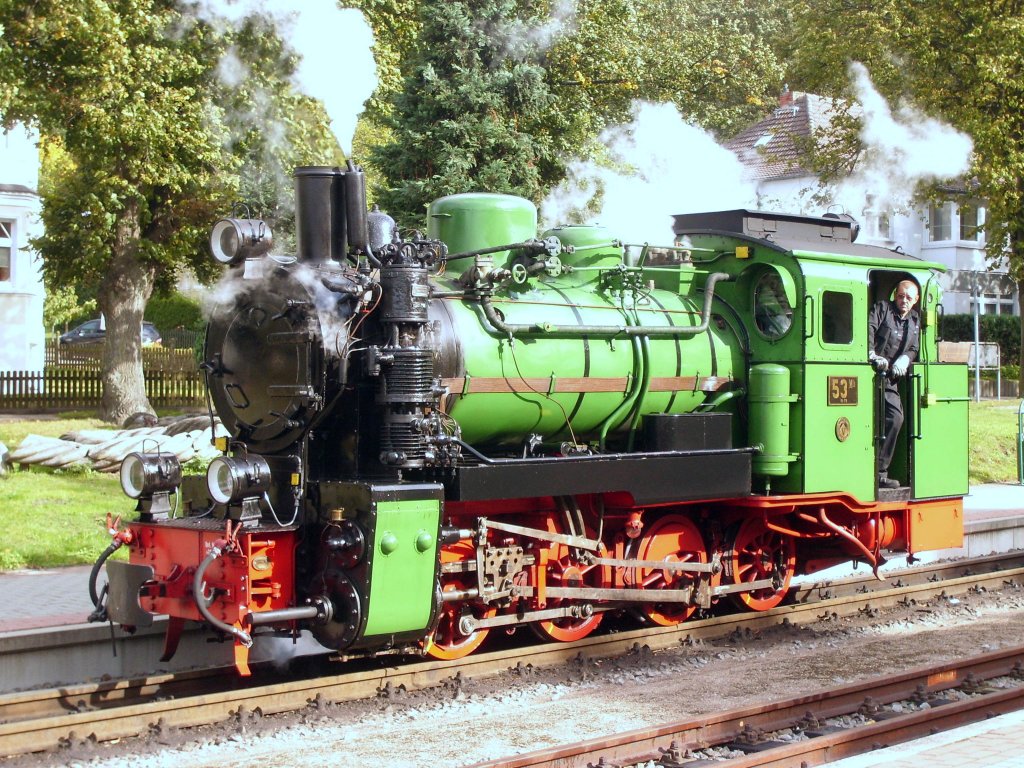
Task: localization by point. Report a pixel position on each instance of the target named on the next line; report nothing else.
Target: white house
(22, 334)
(949, 233)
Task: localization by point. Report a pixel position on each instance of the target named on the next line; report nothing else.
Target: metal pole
(976, 296)
(1020, 443)
(999, 373)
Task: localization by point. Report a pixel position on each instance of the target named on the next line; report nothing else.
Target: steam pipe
(319, 608)
(510, 329)
(282, 615)
(845, 534)
(710, 405)
(623, 409)
(354, 206)
(535, 246)
(645, 385)
(200, 598)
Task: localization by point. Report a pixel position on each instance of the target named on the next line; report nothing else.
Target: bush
(175, 311)
(1004, 330)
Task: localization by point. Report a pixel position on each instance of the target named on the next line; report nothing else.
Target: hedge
(1002, 329)
(175, 311)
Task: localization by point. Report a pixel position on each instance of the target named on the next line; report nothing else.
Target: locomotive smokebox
(320, 219)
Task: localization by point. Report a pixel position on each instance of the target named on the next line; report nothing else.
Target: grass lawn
(57, 518)
(993, 439)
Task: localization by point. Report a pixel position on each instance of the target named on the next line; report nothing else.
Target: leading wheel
(757, 553)
(567, 568)
(670, 539)
(448, 641)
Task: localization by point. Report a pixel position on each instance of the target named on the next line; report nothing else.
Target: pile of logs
(103, 450)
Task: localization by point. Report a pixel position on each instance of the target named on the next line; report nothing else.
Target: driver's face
(906, 298)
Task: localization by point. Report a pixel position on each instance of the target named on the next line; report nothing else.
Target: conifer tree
(475, 113)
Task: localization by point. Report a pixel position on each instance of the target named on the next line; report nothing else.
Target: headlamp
(151, 478)
(234, 240)
(145, 474)
(231, 480)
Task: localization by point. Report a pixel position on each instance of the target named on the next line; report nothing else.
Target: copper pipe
(842, 532)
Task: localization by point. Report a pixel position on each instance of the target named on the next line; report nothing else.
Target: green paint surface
(402, 569)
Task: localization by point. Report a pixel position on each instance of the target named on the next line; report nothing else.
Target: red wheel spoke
(448, 642)
(564, 570)
(669, 539)
(755, 552)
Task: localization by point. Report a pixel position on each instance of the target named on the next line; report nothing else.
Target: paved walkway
(995, 743)
(50, 598)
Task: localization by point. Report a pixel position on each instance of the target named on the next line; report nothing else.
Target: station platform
(994, 743)
(37, 599)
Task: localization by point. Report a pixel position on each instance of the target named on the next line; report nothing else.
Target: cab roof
(831, 233)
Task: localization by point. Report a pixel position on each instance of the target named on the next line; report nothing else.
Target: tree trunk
(122, 298)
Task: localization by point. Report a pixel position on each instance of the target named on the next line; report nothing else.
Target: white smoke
(657, 165)
(335, 46)
(334, 310)
(902, 149)
(520, 39)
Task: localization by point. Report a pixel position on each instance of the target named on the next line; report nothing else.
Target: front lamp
(234, 240)
(231, 480)
(151, 478)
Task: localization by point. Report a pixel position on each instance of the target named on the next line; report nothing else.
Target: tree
(497, 96)
(471, 115)
(126, 99)
(957, 60)
(714, 59)
(129, 90)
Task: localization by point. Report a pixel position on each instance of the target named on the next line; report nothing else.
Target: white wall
(22, 334)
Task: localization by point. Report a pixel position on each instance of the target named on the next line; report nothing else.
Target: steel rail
(37, 720)
(645, 744)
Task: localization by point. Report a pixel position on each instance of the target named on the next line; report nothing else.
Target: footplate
(125, 581)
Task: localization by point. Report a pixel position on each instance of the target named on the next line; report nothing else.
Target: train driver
(894, 332)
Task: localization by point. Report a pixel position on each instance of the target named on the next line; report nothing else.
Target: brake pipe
(112, 547)
(120, 538)
(199, 593)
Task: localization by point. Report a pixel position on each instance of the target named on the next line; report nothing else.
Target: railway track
(39, 720)
(956, 694)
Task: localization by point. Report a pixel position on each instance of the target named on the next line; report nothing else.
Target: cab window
(773, 314)
(836, 317)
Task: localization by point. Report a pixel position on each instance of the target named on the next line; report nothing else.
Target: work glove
(900, 365)
(880, 364)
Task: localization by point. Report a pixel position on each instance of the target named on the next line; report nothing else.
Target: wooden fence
(70, 388)
(90, 357)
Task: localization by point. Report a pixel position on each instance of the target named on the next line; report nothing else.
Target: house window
(996, 304)
(970, 222)
(940, 222)
(6, 249)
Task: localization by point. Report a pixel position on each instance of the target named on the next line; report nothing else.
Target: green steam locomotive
(481, 428)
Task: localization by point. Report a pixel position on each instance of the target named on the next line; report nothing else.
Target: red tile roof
(774, 147)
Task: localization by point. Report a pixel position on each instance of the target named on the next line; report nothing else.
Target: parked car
(92, 332)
